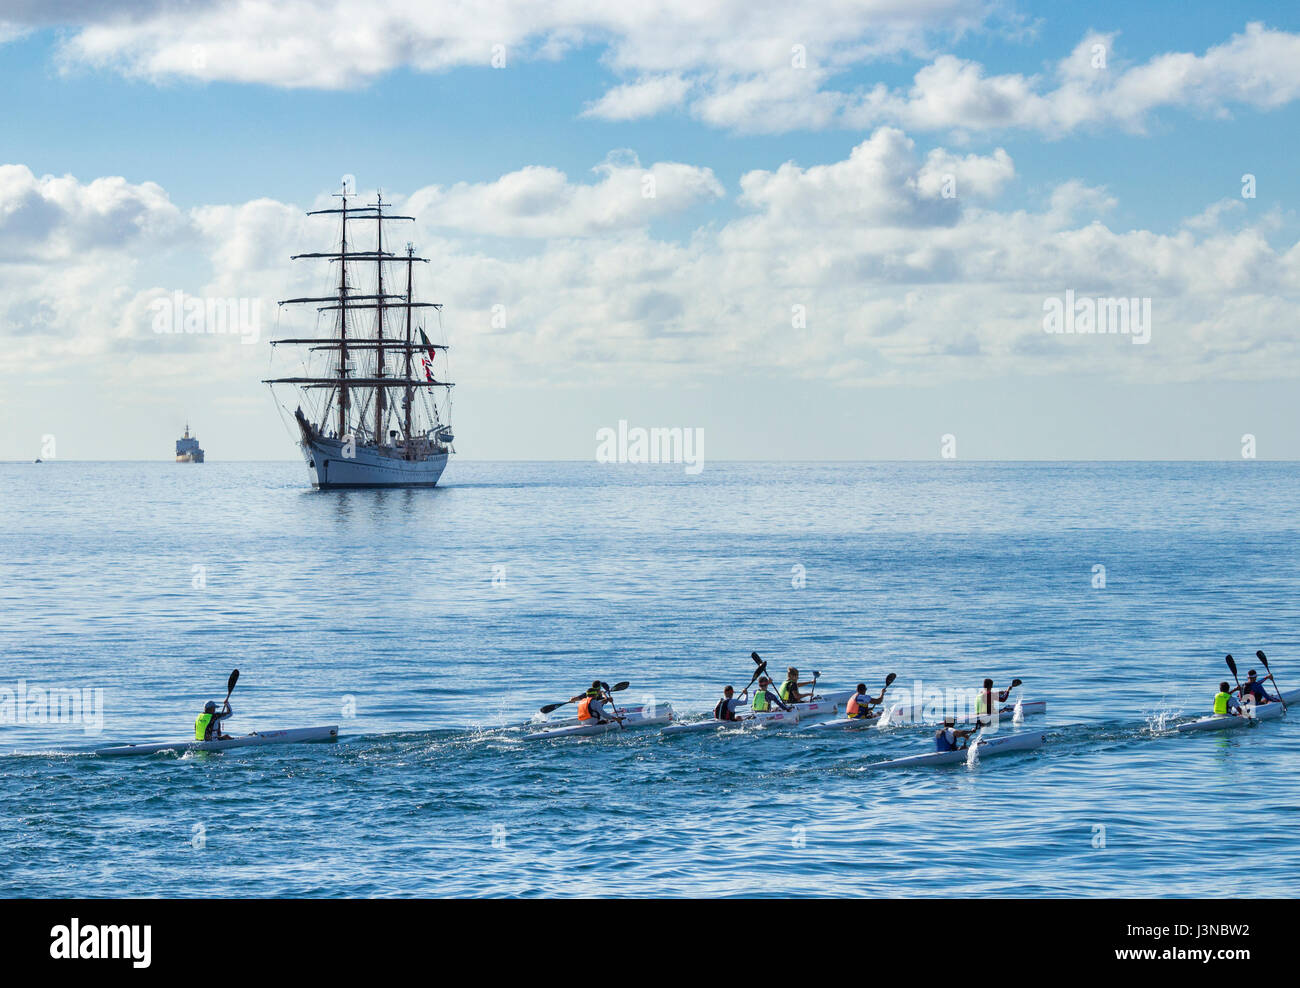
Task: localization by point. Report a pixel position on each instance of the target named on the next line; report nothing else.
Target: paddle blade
(1262, 658)
(551, 706)
(1231, 664)
(230, 683)
(890, 678)
(620, 687)
(754, 656)
(1016, 682)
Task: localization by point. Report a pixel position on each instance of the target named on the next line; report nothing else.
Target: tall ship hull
(332, 465)
(372, 411)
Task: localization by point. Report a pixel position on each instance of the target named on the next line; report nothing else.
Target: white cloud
(1258, 68)
(762, 66)
(541, 202)
(341, 43)
(898, 283)
(646, 97)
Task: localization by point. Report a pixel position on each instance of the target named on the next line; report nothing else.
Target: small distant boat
(187, 448)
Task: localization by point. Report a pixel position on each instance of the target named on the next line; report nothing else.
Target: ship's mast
(381, 394)
(341, 381)
(410, 391)
(344, 395)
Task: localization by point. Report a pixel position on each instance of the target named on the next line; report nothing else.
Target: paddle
(1232, 664)
(616, 688)
(609, 695)
(1003, 697)
(881, 699)
(762, 668)
(1264, 659)
(812, 693)
(234, 678)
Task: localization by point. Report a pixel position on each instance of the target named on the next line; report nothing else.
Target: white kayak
(908, 713)
(845, 723)
(1267, 711)
(297, 735)
(902, 714)
(778, 718)
(988, 748)
(633, 718)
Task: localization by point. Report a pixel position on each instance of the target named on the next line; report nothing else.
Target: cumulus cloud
(1258, 68)
(759, 66)
(542, 202)
(646, 97)
(340, 43)
(889, 280)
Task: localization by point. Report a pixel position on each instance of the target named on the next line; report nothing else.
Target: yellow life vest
(201, 723)
(1221, 703)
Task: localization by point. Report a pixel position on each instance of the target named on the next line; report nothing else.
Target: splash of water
(1018, 717)
(973, 749)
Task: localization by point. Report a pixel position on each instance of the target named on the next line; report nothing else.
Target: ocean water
(430, 625)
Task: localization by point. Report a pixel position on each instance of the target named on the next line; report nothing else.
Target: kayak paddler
(207, 725)
(790, 688)
(1254, 688)
(984, 699)
(726, 708)
(859, 705)
(764, 698)
(1225, 703)
(946, 739)
(592, 706)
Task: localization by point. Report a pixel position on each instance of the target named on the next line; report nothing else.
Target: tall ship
(187, 448)
(369, 409)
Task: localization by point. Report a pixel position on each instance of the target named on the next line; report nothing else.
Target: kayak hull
(633, 718)
(989, 748)
(907, 713)
(1269, 711)
(845, 724)
(779, 718)
(902, 714)
(297, 735)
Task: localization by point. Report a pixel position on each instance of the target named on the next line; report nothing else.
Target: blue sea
(431, 625)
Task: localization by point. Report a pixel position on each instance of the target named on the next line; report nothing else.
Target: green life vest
(982, 702)
(1221, 703)
(760, 705)
(201, 723)
(785, 691)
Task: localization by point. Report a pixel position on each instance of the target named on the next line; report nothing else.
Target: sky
(825, 230)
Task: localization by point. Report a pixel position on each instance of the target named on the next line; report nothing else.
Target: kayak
(778, 717)
(1269, 711)
(297, 735)
(846, 723)
(988, 748)
(908, 713)
(631, 710)
(902, 714)
(633, 717)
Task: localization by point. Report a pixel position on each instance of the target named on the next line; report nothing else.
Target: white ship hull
(329, 469)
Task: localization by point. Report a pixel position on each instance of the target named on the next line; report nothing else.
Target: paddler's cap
(988, 684)
(209, 707)
(1252, 674)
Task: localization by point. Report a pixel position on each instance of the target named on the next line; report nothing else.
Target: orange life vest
(851, 710)
(584, 709)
